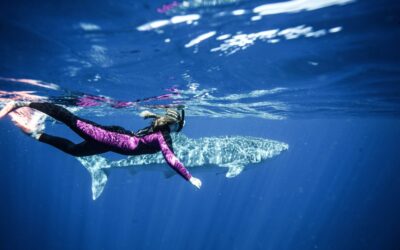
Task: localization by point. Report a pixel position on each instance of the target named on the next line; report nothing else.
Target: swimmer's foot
(11, 106)
(30, 130)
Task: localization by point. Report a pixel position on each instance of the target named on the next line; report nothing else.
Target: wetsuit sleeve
(171, 159)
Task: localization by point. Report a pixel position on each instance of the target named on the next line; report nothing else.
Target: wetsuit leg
(63, 115)
(84, 148)
(57, 112)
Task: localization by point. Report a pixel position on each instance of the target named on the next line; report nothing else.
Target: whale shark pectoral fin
(96, 166)
(234, 170)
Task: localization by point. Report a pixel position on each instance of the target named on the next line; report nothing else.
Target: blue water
(321, 76)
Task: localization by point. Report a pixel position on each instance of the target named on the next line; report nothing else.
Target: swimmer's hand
(196, 182)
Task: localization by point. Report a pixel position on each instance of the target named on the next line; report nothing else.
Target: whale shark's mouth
(229, 153)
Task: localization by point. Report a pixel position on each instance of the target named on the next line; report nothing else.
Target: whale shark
(228, 154)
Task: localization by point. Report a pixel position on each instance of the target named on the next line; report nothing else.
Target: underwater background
(321, 76)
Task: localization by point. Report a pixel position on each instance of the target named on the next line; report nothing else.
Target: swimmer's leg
(84, 148)
(63, 115)
(57, 112)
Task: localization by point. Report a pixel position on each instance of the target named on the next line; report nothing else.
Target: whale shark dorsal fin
(234, 170)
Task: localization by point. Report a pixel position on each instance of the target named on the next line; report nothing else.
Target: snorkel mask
(178, 117)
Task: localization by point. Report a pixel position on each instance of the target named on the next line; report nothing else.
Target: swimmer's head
(174, 119)
(177, 118)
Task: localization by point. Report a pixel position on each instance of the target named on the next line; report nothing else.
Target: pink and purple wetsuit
(100, 139)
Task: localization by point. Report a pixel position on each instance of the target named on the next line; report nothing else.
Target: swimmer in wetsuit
(99, 139)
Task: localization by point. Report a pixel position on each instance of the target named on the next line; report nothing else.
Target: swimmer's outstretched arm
(173, 161)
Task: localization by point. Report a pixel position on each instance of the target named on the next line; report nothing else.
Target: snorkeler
(99, 139)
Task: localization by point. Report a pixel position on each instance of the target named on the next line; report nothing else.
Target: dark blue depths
(335, 188)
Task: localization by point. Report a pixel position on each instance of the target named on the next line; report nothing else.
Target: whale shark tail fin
(96, 166)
